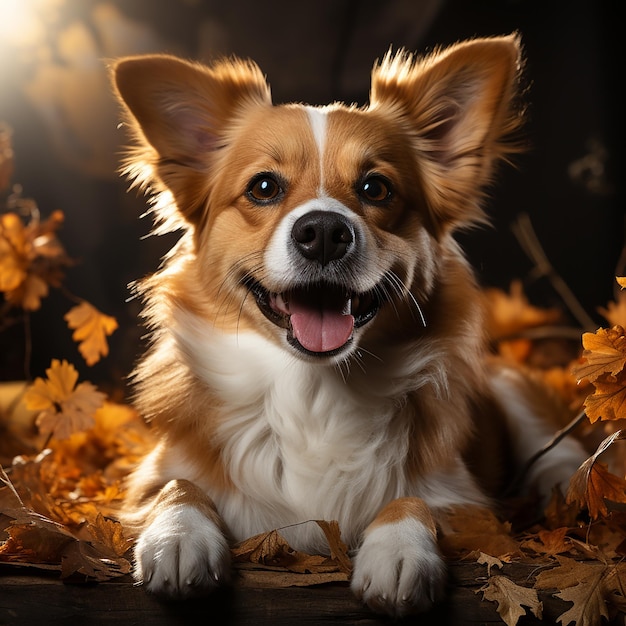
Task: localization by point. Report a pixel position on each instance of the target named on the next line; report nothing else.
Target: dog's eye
(264, 189)
(375, 189)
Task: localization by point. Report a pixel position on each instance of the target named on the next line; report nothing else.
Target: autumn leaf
(587, 585)
(29, 293)
(272, 549)
(511, 599)
(13, 253)
(338, 549)
(64, 407)
(510, 313)
(592, 483)
(608, 401)
(604, 353)
(91, 328)
(108, 536)
(549, 542)
(477, 529)
(615, 312)
(489, 561)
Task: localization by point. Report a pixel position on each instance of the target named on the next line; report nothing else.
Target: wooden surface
(27, 599)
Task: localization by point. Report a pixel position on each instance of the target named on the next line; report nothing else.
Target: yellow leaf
(605, 353)
(43, 394)
(64, 408)
(91, 329)
(29, 293)
(621, 281)
(12, 272)
(511, 599)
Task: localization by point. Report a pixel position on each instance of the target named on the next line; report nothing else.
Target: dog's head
(309, 224)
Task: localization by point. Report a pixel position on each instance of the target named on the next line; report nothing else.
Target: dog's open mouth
(320, 319)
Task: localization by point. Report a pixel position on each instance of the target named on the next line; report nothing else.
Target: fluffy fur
(317, 339)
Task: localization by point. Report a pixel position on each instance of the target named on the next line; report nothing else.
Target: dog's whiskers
(393, 281)
(228, 286)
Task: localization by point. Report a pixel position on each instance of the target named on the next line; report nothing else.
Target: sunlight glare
(19, 22)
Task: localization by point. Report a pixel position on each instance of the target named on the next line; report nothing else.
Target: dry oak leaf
(338, 549)
(604, 353)
(91, 328)
(587, 584)
(272, 549)
(64, 406)
(489, 561)
(511, 599)
(592, 483)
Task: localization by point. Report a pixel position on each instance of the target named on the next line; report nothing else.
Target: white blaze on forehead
(318, 119)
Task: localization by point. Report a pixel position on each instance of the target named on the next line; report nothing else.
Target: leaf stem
(558, 436)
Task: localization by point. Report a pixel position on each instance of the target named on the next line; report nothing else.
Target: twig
(523, 230)
(558, 436)
(4, 478)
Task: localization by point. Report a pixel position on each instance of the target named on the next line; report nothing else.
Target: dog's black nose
(322, 235)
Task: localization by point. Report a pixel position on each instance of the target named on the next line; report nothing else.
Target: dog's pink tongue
(320, 329)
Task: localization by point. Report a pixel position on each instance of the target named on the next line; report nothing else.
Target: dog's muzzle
(320, 312)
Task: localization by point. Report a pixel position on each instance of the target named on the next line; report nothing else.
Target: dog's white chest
(299, 442)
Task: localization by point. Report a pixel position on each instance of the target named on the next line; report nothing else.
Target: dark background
(54, 94)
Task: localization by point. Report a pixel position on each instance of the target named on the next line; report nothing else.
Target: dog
(317, 339)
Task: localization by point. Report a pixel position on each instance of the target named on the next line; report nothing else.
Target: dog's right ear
(178, 113)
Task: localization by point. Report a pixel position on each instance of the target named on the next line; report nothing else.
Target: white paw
(398, 569)
(181, 553)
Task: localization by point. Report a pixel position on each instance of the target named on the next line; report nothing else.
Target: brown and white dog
(318, 346)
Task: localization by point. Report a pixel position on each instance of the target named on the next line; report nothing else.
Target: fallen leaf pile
(65, 449)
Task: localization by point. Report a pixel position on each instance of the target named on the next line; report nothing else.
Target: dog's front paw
(398, 569)
(181, 553)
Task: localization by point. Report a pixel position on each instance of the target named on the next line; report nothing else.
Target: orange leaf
(621, 281)
(64, 408)
(615, 312)
(91, 330)
(29, 293)
(605, 352)
(13, 262)
(592, 483)
(108, 536)
(608, 401)
(510, 313)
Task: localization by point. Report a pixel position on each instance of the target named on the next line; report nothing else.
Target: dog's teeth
(280, 303)
(347, 309)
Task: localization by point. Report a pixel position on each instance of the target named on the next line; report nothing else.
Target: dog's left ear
(457, 105)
